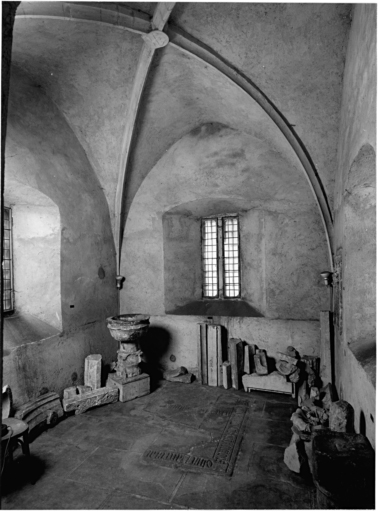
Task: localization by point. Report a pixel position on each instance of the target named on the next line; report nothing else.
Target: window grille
(210, 257)
(220, 257)
(7, 261)
(231, 257)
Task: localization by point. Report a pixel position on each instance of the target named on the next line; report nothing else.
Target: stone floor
(115, 456)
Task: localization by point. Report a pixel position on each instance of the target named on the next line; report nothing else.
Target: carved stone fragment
(261, 364)
(37, 412)
(272, 382)
(81, 390)
(295, 456)
(91, 399)
(236, 357)
(178, 375)
(70, 392)
(314, 393)
(300, 421)
(92, 371)
(341, 417)
(288, 358)
(295, 376)
(134, 387)
(327, 396)
(226, 375)
(302, 393)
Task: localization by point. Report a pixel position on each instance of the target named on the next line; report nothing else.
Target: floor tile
(279, 411)
(95, 460)
(268, 460)
(265, 431)
(124, 501)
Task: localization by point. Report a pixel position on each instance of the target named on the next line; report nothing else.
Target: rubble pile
(317, 409)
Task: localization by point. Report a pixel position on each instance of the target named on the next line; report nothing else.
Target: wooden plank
(212, 351)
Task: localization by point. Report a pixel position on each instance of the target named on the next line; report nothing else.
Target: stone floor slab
(95, 460)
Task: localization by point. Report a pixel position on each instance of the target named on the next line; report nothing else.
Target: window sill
(217, 307)
(21, 328)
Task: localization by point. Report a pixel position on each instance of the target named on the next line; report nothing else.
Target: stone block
(261, 363)
(288, 358)
(236, 353)
(341, 416)
(226, 375)
(309, 454)
(314, 393)
(285, 368)
(272, 382)
(300, 421)
(70, 392)
(135, 387)
(343, 469)
(39, 412)
(302, 393)
(92, 371)
(327, 396)
(82, 390)
(247, 360)
(82, 403)
(295, 456)
(295, 376)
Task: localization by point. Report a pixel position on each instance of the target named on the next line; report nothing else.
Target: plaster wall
(218, 170)
(87, 69)
(43, 153)
(57, 362)
(293, 52)
(172, 335)
(355, 222)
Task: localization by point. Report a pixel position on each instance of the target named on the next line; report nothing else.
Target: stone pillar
(92, 371)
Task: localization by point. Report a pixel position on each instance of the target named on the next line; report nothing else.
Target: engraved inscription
(225, 454)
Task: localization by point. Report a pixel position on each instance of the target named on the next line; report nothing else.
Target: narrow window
(231, 257)
(220, 257)
(210, 257)
(7, 262)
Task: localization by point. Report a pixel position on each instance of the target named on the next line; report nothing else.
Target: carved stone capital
(156, 39)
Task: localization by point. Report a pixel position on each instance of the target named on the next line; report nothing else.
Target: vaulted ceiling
(84, 57)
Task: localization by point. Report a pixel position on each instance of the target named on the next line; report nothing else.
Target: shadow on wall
(217, 308)
(154, 346)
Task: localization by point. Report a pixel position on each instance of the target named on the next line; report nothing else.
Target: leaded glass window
(221, 257)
